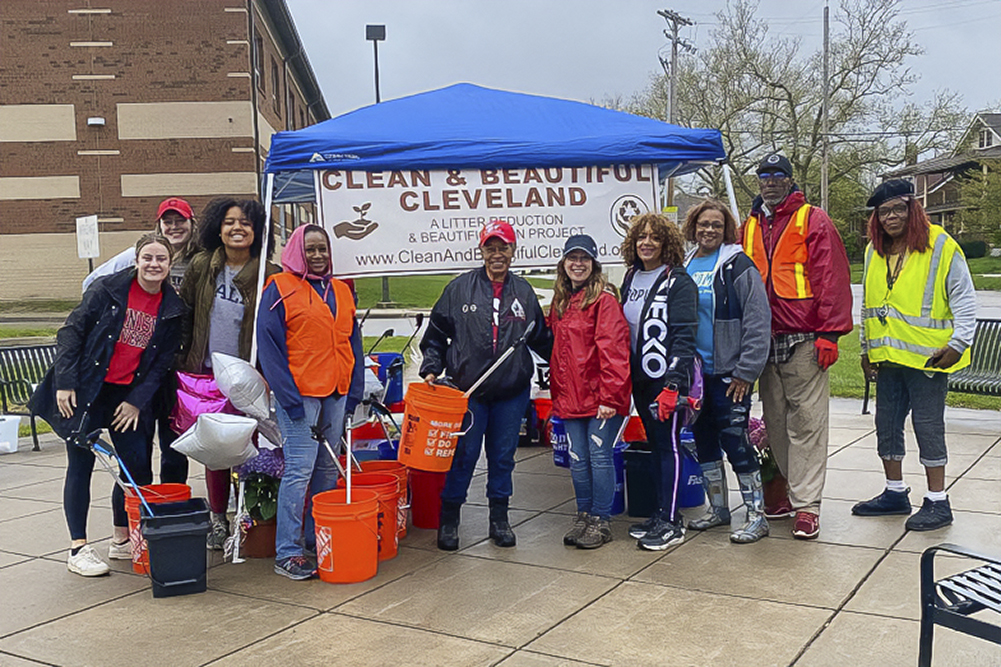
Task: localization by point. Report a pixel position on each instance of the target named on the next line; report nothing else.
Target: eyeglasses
(772, 177)
(706, 226)
(234, 221)
(899, 210)
(174, 222)
(579, 258)
(495, 249)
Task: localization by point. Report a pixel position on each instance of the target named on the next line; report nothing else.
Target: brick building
(109, 106)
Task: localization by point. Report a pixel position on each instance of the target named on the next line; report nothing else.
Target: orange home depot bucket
(387, 486)
(402, 473)
(347, 536)
(153, 493)
(431, 423)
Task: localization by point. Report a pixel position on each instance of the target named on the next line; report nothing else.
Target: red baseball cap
(174, 204)
(498, 228)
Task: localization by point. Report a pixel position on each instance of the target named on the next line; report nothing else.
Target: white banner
(428, 221)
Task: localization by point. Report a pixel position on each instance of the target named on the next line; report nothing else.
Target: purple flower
(268, 461)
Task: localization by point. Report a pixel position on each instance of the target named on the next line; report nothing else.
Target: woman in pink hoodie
(310, 354)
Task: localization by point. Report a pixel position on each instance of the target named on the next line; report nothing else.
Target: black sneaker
(638, 530)
(296, 568)
(934, 514)
(886, 503)
(663, 535)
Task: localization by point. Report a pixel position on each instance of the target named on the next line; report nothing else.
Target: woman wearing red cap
(175, 222)
(479, 315)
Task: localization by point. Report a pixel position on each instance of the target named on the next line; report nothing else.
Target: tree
(980, 192)
(765, 95)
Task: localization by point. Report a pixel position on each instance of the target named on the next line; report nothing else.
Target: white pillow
(218, 441)
(242, 385)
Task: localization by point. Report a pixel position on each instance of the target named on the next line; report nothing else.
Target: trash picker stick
(500, 360)
(239, 514)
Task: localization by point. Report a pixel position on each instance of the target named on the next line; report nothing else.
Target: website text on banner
(418, 221)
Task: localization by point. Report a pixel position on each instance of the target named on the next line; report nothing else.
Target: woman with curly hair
(220, 288)
(589, 381)
(732, 341)
(660, 304)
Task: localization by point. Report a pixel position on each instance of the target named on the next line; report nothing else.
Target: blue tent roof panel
(464, 126)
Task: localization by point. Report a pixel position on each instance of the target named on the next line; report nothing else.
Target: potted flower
(260, 478)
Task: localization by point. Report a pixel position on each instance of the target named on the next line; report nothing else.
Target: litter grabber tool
(104, 452)
(388, 333)
(501, 359)
(420, 322)
(683, 402)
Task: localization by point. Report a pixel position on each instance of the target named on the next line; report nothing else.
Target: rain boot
(448, 526)
(500, 529)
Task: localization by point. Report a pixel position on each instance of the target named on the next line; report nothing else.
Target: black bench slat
(21, 368)
(952, 600)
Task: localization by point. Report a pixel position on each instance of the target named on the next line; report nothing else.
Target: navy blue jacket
(86, 341)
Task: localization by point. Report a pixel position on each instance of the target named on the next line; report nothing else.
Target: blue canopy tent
(468, 126)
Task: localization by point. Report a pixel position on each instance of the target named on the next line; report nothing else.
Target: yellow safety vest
(906, 324)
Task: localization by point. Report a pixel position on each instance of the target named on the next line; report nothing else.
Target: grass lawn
(18, 332)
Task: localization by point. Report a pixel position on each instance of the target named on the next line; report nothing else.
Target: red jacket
(829, 310)
(590, 362)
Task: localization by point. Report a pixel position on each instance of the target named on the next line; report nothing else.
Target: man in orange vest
(803, 263)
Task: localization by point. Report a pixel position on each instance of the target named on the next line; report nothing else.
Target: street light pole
(376, 34)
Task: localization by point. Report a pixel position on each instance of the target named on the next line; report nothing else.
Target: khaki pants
(796, 400)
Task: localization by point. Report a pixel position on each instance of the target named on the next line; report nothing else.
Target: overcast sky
(592, 49)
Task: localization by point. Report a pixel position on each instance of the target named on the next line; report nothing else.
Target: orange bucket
(401, 471)
(431, 425)
(153, 493)
(347, 536)
(387, 486)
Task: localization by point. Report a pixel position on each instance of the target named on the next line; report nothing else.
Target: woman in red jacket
(589, 380)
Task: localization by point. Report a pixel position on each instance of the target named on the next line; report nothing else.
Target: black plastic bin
(175, 537)
(641, 495)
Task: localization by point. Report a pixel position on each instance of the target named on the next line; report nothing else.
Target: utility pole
(825, 147)
(376, 34)
(675, 22)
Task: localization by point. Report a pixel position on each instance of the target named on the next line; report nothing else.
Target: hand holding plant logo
(358, 229)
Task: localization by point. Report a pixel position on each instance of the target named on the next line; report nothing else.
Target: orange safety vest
(787, 265)
(319, 345)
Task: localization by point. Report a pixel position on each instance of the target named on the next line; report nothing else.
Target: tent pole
(730, 193)
(262, 263)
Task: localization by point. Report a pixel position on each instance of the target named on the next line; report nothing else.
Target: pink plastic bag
(197, 394)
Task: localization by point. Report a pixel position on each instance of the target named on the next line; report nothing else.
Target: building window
(986, 138)
(276, 81)
(302, 118)
(259, 62)
(290, 117)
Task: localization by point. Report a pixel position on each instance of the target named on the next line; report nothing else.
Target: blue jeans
(591, 466)
(306, 463)
(900, 390)
(664, 439)
(722, 426)
(497, 423)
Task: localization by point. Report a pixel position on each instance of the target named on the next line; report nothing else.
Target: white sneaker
(87, 563)
(121, 551)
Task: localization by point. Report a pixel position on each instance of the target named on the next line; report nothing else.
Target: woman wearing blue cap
(589, 381)
(918, 320)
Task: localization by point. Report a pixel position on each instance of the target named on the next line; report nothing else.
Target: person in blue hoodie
(311, 355)
(732, 339)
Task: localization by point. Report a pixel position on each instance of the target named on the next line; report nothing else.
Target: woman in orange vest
(310, 354)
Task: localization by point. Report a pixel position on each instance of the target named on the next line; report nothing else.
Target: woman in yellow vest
(918, 321)
(310, 354)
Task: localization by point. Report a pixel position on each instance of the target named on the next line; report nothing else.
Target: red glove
(667, 401)
(827, 352)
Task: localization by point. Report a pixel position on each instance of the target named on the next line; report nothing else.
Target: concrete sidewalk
(847, 599)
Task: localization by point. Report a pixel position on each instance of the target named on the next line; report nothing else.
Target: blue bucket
(692, 492)
(619, 499)
(559, 442)
(394, 392)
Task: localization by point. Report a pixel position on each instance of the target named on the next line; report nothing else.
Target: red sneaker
(806, 527)
(780, 510)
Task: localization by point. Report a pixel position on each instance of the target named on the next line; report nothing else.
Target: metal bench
(983, 375)
(951, 601)
(21, 369)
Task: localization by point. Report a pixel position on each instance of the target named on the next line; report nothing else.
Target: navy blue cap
(581, 242)
(775, 162)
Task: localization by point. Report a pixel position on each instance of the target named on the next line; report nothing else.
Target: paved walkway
(850, 598)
